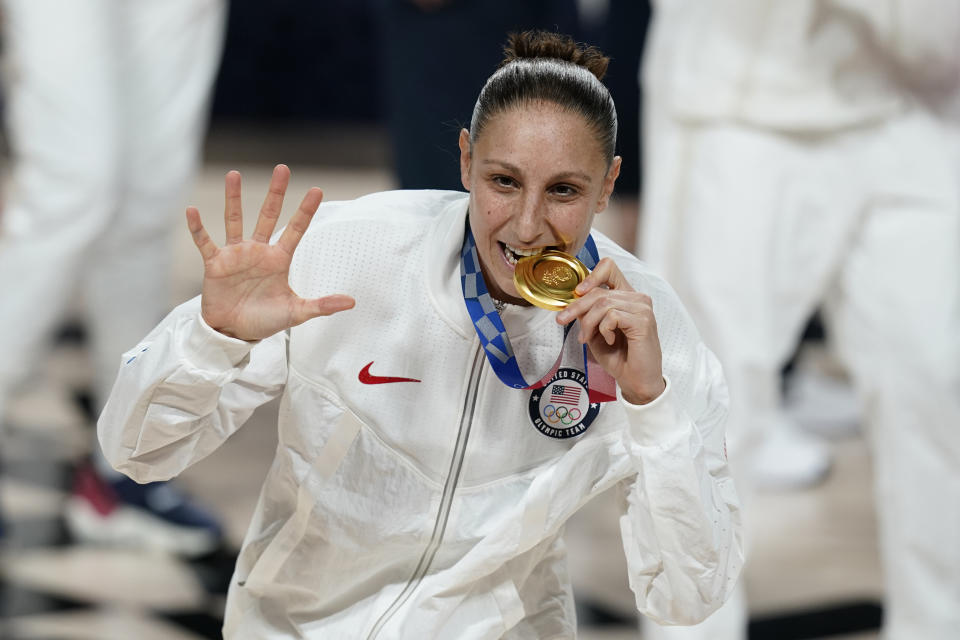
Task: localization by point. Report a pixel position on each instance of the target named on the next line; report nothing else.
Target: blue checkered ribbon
(489, 325)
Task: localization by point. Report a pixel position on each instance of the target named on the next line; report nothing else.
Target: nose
(530, 224)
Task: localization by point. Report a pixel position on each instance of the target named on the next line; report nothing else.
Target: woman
(414, 493)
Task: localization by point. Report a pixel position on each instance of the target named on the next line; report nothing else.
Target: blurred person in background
(106, 104)
(435, 53)
(805, 153)
(622, 34)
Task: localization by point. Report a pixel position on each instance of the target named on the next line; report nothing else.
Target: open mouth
(512, 254)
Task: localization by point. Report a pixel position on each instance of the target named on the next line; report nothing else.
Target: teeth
(526, 252)
(513, 252)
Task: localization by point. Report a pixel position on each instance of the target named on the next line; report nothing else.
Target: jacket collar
(442, 265)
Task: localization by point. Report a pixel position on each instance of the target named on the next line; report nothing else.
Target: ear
(465, 158)
(612, 174)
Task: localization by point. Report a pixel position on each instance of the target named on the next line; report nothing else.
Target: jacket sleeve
(681, 525)
(182, 392)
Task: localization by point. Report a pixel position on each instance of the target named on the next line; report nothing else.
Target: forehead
(540, 132)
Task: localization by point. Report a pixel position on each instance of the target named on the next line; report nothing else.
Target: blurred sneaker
(823, 404)
(789, 459)
(154, 516)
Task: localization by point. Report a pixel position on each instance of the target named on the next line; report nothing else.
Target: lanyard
(493, 335)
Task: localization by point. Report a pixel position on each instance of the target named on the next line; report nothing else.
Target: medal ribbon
(493, 335)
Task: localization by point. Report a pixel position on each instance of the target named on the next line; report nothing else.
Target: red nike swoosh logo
(368, 378)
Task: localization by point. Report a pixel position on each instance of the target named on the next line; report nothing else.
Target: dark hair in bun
(551, 67)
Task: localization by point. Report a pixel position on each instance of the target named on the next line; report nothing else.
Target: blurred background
(358, 97)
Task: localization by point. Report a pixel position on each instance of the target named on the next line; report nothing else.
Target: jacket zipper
(446, 499)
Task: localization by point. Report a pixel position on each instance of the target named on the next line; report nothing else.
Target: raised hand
(245, 290)
(618, 326)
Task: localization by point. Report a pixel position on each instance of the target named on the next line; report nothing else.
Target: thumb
(316, 307)
(605, 274)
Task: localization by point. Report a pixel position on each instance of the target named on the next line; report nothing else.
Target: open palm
(246, 293)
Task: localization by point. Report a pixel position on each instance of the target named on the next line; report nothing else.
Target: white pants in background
(106, 103)
(755, 229)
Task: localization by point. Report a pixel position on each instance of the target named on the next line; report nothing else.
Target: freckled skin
(538, 175)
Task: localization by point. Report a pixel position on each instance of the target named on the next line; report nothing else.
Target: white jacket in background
(430, 509)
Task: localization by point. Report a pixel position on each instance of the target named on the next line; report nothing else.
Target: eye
(504, 181)
(564, 190)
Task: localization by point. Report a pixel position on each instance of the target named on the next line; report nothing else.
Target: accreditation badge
(562, 408)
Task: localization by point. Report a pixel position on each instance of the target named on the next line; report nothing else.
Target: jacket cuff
(208, 349)
(656, 422)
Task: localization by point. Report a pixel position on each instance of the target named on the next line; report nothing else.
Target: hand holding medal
(618, 326)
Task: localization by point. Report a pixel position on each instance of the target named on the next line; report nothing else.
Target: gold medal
(548, 280)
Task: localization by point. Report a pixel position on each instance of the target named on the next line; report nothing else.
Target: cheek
(574, 223)
(484, 220)
(493, 212)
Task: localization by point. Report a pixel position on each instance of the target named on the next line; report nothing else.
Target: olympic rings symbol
(561, 414)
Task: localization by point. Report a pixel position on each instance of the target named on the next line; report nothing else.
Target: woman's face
(536, 177)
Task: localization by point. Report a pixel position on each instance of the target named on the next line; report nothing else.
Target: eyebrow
(560, 176)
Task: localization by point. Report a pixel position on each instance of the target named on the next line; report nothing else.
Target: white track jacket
(430, 506)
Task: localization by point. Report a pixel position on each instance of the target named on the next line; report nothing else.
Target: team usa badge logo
(562, 408)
